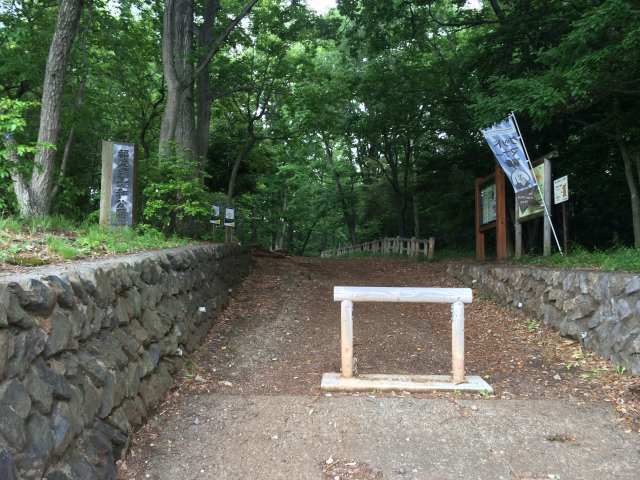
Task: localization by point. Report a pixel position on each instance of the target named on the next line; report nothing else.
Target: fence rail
(411, 247)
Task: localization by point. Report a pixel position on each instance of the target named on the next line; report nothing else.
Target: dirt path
(281, 332)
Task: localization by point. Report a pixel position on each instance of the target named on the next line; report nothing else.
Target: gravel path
(248, 404)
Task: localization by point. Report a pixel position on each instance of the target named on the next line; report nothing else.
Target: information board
(530, 203)
(561, 190)
(488, 204)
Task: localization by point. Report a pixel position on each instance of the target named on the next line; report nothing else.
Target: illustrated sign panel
(560, 190)
(530, 202)
(122, 185)
(488, 204)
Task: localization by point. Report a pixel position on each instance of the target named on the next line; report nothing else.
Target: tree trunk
(348, 211)
(178, 128)
(310, 231)
(416, 216)
(170, 113)
(203, 89)
(279, 244)
(254, 224)
(414, 199)
(400, 202)
(242, 155)
(34, 198)
(178, 123)
(633, 190)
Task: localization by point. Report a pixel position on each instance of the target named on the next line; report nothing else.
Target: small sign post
(561, 196)
(229, 223)
(215, 218)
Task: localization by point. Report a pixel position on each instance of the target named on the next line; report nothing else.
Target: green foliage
(12, 152)
(532, 325)
(357, 125)
(9, 225)
(53, 223)
(96, 239)
(37, 241)
(61, 246)
(175, 193)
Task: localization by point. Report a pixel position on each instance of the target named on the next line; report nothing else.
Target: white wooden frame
(345, 381)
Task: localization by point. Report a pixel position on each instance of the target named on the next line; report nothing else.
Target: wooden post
(501, 215)
(548, 189)
(479, 234)
(346, 337)
(431, 248)
(457, 342)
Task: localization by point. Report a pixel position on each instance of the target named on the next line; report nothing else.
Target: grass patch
(47, 240)
(621, 258)
(61, 246)
(453, 253)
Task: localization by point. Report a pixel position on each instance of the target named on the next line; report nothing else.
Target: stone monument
(117, 187)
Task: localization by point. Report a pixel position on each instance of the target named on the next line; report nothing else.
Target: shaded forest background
(320, 130)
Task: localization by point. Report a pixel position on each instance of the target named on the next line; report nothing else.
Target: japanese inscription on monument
(122, 185)
(117, 187)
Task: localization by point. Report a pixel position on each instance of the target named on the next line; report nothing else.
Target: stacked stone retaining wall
(88, 349)
(600, 309)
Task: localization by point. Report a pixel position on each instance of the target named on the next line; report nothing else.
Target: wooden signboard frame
(500, 223)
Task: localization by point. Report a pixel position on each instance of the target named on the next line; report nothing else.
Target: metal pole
(544, 204)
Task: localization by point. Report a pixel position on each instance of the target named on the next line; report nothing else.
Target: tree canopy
(320, 129)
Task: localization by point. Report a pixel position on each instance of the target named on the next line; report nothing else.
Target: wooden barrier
(345, 381)
(411, 247)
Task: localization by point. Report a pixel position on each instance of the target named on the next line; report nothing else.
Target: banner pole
(540, 192)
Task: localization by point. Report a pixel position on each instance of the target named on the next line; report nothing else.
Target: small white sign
(561, 190)
(215, 215)
(229, 216)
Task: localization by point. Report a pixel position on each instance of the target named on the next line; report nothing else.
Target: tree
(181, 72)
(34, 192)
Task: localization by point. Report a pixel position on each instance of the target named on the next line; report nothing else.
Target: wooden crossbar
(403, 294)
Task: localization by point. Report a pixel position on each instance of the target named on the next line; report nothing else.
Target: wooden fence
(411, 247)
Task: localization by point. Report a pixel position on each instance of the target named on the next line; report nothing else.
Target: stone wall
(88, 349)
(601, 309)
